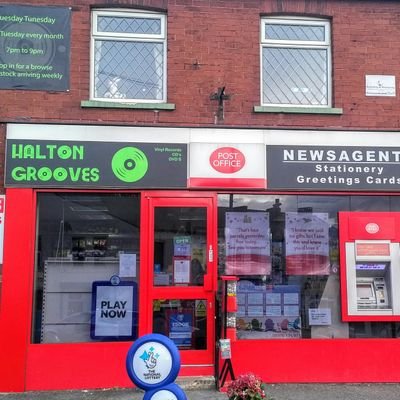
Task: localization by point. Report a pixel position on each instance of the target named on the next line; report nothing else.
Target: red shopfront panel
(370, 265)
(318, 360)
(16, 299)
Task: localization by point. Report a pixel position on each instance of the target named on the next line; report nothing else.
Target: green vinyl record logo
(129, 164)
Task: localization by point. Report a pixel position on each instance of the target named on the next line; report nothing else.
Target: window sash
(119, 77)
(302, 83)
(128, 15)
(291, 98)
(297, 23)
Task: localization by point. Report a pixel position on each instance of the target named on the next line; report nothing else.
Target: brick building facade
(231, 92)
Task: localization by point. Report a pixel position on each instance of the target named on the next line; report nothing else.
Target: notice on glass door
(181, 270)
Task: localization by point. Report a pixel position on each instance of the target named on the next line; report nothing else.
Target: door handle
(210, 254)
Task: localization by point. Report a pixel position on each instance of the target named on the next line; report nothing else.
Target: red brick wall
(222, 37)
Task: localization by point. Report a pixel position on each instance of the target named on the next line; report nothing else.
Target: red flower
(246, 387)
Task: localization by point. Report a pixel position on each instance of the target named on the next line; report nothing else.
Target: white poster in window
(319, 316)
(181, 270)
(273, 298)
(273, 311)
(380, 85)
(255, 298)
(255, 310)
(307, 243)
(241, 298)
(290, 298)
(113, 310)
(247, 243)
(291, 311)
(127, 265)
(241, 310)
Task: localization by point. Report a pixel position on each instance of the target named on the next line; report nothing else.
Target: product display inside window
(284, 250)
(87, 267)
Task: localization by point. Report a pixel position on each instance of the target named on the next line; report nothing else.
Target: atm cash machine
(370, 266)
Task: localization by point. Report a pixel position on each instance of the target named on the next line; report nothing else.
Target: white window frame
(134, 37)
(297, 44)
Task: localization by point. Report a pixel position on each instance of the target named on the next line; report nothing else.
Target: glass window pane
(369, 203)
(366, 330)
(394, 203)
(303, 278)
(294, 32)
(129, 70)
(295, 76)
(183, 321)
(180, 244)
(300, 296)
(129, 25)
(83, 239)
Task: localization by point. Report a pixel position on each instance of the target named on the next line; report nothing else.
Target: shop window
(295, 62)
(285, 252)
(128, 59)
(87, 267)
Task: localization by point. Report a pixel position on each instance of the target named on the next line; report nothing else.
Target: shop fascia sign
(333, 167)
(224, 165)
(40, 163)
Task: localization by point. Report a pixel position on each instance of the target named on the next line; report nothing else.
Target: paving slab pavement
(375, 391)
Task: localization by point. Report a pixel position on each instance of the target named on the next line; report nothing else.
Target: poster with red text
(307, 243)
(247, 243)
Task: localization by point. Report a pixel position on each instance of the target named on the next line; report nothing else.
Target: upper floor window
(295, 62)
(128, 59)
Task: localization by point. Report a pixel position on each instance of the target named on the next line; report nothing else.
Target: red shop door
(182, 277)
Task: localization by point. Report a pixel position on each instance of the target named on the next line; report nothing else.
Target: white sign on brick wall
(380, 85)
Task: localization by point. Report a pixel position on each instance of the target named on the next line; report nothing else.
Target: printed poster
(127, 265)
(307, 243)
(35, 47)
(247, 243)
(114, 310)
(181, 327)
(181, 270)
(182, 246)
(319, 316)
(276, 315)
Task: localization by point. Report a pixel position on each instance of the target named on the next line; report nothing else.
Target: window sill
(298, 110)
(138, 106)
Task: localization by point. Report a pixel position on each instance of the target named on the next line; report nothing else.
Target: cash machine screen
(371, 266)
(365, 291)
(371, 284)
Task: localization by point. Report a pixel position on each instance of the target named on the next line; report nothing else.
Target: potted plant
(246, 387)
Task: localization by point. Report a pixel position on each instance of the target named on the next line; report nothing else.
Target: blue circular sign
(153, 361)
(169, 392)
